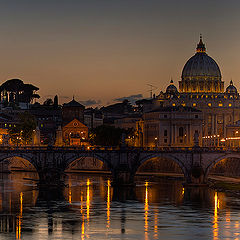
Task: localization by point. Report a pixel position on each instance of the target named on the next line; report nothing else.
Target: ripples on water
(89, 208)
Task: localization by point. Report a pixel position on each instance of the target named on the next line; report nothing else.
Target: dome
(201, 73)
(231, 89)
(171, 89)
(201, 65)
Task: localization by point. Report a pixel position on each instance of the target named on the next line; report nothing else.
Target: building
(93, 118)
(201, 88)
(172, 126)
(75, 133)
(72, 110)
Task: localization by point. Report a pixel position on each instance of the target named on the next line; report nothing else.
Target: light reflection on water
(89, 208)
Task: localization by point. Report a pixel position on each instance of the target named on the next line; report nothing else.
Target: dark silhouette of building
(72, 110)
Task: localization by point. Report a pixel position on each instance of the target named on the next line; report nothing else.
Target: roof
(175, 109)
(73, 103)
(75, 124)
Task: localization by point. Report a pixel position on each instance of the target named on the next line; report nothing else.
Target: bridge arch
(217, 160)
(72, 159)
(166, 157)
(23, 156)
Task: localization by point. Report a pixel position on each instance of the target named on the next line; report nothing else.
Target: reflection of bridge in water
(51, 162)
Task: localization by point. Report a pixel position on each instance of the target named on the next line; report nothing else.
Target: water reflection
(89, 208)
(215, 220)
(146, 211)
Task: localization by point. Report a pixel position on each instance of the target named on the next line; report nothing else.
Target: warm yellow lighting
(146, 211)
(108, 202)
(209, 104)
(232, 138)
(194, 104)
(220, 104)
(183, 191)
(83, 222)
(184, 104)
(88, 199)
(156, 224)
(229, 104)
(70, 196)
(215, 219)
(173, 104)
(236, 132)
(19, 219)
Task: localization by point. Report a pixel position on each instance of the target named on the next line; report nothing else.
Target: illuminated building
(200, 88)
(75, 133)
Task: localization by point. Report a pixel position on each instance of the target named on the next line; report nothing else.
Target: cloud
(131, 98)
(90, 102)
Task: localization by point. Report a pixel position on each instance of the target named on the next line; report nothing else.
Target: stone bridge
(51, 162)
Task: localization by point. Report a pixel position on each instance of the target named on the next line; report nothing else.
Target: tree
(48, 102)
(23, 131)
(107, 136)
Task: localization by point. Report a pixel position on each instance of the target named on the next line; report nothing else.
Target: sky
(102, 51)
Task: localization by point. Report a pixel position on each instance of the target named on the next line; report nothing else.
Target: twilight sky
(101, 50)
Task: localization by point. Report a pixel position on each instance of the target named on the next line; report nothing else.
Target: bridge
(51, 162)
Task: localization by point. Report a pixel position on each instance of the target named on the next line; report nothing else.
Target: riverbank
(228, 185)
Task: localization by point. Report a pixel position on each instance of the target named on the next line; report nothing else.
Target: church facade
(200, 105)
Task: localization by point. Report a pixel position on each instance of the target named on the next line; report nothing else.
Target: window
(194, 104)
(165, 140)
(180, 131)
(229, 104)
(165, 116)
(196, 116)
(165, 133)
(183, 104)
(209, 104)
(220, 104)
(174, 104)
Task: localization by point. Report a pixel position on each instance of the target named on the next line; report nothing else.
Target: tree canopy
(23, 131)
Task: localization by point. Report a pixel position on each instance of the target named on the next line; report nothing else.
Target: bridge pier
(123, 176)
(51, 178)
(195, 177)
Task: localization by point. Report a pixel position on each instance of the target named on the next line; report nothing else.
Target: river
(89, 208)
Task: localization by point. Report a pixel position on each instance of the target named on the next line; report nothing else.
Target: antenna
(151, 89)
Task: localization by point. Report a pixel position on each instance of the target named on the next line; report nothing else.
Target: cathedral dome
(171, 89)
(231, 88)
(201, 73)
(201, 65)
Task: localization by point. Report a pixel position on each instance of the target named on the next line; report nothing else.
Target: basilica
(200, 111)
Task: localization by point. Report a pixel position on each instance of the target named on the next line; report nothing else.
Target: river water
(89, 208)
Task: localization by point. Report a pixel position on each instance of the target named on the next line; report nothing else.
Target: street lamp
(156, 143)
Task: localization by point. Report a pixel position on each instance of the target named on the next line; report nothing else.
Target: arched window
(181, 132)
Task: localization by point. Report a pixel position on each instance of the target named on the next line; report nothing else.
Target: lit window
(209, 104)
(194, 104)
(229, 104)
(174, 104)
(183, 104)
(220, 104)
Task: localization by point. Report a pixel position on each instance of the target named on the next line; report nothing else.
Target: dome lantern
(201, 46)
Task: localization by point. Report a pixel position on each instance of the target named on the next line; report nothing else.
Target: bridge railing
(107, 148)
